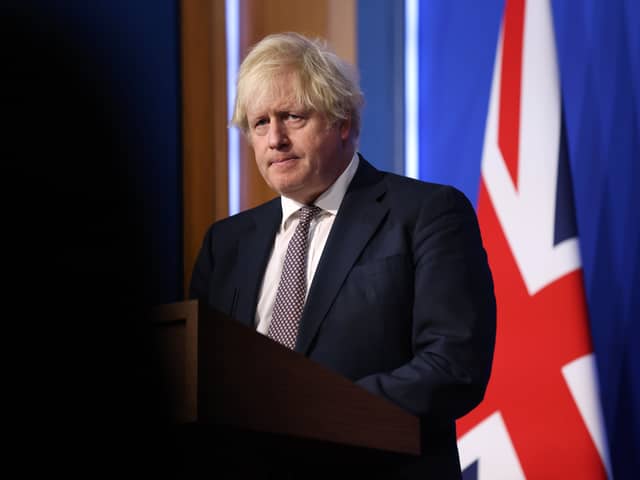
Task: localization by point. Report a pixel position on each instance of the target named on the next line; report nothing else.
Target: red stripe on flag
(510, 82)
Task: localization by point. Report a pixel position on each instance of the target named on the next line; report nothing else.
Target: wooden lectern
(246, 405)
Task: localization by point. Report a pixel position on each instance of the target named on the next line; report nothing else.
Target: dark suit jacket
(402, 300)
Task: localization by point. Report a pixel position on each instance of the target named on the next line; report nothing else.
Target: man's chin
(289, 191)
(286, 187)
(296, 192)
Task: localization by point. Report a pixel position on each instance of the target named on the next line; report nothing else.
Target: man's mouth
(282, 160)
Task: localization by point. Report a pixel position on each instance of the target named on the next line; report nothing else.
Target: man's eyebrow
(277, 111)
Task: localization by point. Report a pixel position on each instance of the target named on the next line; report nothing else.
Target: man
(399, 296)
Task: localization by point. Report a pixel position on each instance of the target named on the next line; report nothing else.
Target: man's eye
(294, 117)
(258, 123)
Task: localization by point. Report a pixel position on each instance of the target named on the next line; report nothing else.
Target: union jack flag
(541, 414)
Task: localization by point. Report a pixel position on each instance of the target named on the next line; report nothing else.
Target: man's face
(298, 152)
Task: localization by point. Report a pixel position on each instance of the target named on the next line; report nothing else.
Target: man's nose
(277, 135)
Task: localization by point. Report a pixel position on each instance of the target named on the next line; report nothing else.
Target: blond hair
(324, 82)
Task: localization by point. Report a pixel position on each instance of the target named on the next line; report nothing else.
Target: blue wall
(380, 47)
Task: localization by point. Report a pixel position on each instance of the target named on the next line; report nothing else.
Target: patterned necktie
(292, 289)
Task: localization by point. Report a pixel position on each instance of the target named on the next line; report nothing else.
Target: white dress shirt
(319, 230)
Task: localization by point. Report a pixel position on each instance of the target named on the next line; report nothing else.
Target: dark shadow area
(83, 396)
(218, 451)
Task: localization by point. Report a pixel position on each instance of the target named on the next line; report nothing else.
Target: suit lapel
(254, 251)
(361, 212)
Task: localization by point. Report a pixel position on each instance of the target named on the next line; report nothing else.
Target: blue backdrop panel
(457, 44)
(599, 58)
(380, 49)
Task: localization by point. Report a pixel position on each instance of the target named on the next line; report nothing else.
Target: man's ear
(345, 128)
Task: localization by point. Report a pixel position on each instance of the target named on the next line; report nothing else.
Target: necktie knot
(307, 212)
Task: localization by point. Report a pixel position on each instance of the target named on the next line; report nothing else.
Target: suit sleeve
(454, 315)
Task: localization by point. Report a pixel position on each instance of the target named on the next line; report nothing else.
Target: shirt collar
(329, 201)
